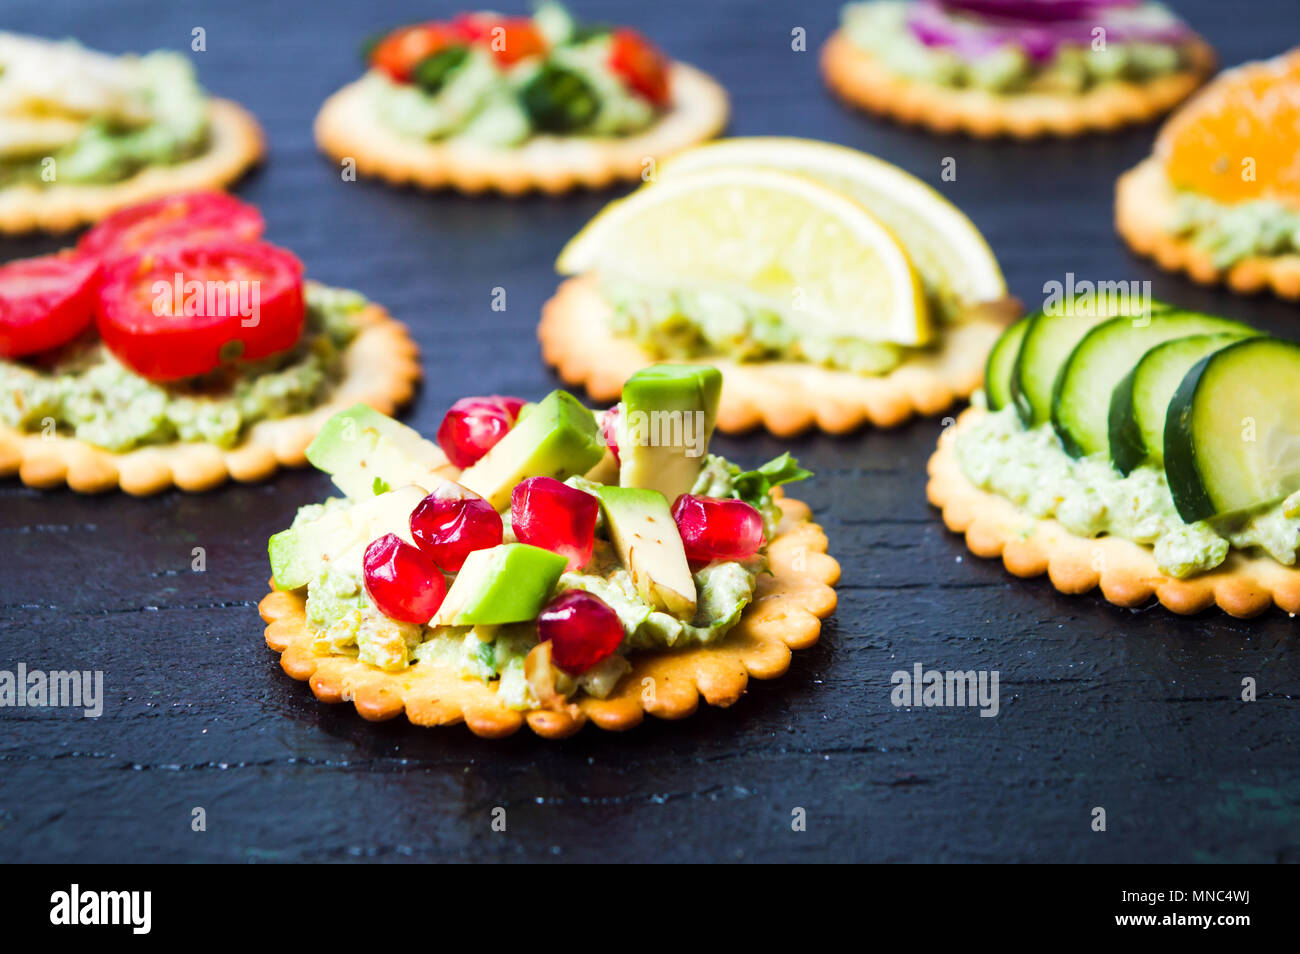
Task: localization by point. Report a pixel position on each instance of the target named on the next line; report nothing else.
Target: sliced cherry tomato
(510, 39)
(401, 51)
(188, 217)
(184, 310)
(45, 302)
(640, 64)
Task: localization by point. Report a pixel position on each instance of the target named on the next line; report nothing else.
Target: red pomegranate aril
(582, 630)
(714, 529)
(609, 430)
(554, 516)
(403, 581)
(474, 425)
(453, 522)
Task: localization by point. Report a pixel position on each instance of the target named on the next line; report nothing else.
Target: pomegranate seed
(715, 529)
(554, 516)
(474, 425)
(582, 630)
(453, 522)
(609, 430)
(403, 581)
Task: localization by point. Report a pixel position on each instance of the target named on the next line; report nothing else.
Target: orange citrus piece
(1239, 138)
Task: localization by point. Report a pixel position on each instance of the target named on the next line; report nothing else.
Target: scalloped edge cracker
(1126, 572)
(862, 80)
(236, 144)
(786, 615)
(380, 367)
(1144, 205)
(347, 128)
(786, 397)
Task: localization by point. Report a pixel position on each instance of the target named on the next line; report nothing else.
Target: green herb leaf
(431, 73)
(755, 486)
(380, 486)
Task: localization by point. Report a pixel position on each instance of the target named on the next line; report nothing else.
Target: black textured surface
(1137, 712)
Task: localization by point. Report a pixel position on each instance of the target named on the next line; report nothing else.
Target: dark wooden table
(1138, 712)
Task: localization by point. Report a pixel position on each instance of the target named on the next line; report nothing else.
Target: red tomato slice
(398, 53)
(45, 302)
(510, 39)
(183, 310)
(640, 64)
(187, 217)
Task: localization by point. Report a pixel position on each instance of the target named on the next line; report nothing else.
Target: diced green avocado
(646, 537)
(297, 553)
(509, 583)
(668, 415)
(366, 452)
(558, 438)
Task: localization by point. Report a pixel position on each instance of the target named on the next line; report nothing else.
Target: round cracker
(348, 127)
(785, 615)
(380, 367)
(786, 397)
(863, 80)
(235, 144)
(1125, 571)
(1145, 203)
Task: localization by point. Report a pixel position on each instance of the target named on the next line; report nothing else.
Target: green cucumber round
(1082, 392)
(997, 372)
(1141, 399)
(1232, 434)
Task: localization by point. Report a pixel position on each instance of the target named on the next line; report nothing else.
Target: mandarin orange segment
(1239, 139)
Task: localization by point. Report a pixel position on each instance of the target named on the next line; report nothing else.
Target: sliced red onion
(1050, 10)
(972, 36)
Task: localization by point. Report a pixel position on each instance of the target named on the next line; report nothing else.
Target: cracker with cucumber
(1151, 452)
(548, 565)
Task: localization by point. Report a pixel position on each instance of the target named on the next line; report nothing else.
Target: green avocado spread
(880, 28)
(84, 392)
(1231, 232)
(146, 111)
(1089, 497)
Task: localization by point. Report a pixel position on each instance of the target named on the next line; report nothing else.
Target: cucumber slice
(1232, 434)
(1082, 392)
(997, 372)
(1140, 400)
(1047, 344)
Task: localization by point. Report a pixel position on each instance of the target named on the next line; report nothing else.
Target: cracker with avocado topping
(347, 128)
(786, 397)
(1144, 208)
(380, 368)
(785, 615)
(860, 78)
(235, 144)
(1126, 572)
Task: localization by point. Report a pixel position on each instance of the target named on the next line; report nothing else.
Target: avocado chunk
(298, 553)
(668, 415)
(509, 583)
(366, 453)
(557, 438)
(646, 537)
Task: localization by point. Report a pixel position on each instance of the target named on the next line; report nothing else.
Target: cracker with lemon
(1150, 453)
(517, 104)
(546, 564)
(173, 347)
(833, 288)
(1019, 68)
(83, 134)
(1220, 197)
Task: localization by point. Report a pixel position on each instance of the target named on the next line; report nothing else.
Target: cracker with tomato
(166, 349)
(517, 104)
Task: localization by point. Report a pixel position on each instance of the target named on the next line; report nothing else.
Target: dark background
(1135, 711)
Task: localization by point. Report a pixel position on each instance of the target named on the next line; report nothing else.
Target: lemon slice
(955, 262)
(775, 239)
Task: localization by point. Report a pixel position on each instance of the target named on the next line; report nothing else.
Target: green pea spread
(84, 392)
(1089, 497)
